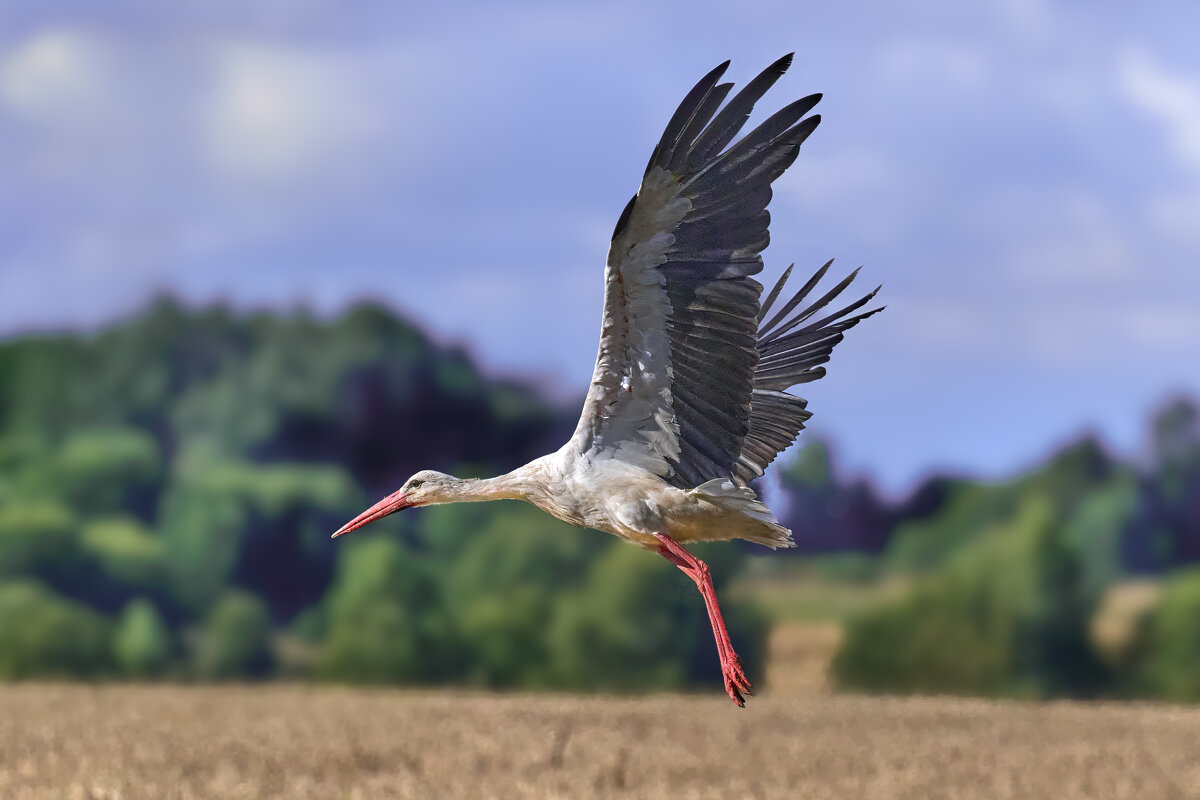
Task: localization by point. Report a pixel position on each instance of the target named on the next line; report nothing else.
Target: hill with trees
(168, 486)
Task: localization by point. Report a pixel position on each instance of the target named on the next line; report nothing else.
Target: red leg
(724, 648)
(731, 666)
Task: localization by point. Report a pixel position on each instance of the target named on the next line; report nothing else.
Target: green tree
(637, 623)
(104, 470)
(385, 621)
(125, 551)
(1175, 438)
(36, 537)
(1008, 616)
(1096, 529)
(812, 467)
(236, 641)
(1171, 667)
(202, 533)
(141, 642)
(971, 507)
(43, 635)
(503, 586)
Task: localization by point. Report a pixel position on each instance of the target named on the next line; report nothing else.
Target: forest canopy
(168, 486)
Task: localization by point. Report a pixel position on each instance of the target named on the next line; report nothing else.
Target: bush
(141, 643)
(1172, 657)
(638, 623)
(1008, 616)
(35, 538)
(43, 635)
(202, 532)
(502, 590)
(386, 622)
(504, 633)
(125, 551)
(622, 629)
(105, 470)
(237, 639)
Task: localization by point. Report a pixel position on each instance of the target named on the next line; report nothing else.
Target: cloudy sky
(1024, 178)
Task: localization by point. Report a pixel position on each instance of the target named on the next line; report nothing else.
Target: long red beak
(389, 505)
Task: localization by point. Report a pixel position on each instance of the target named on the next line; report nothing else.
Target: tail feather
(753, 521)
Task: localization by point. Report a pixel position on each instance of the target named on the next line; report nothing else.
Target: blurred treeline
(168, 487)
(1079, 578)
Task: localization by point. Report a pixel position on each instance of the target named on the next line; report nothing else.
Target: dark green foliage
(522, 600)
(44, 636)
(504, 635)
(35, 537)
(1007, 616)
(386, 621)
(638, 623)
(1175, 438)
(179, 475)
(504, 589)
(182, 472)
(1171, 665)
(201, 534)
(622, 629)
(813, 467)
(828, 515)
(1167, 529)
(141, 642)
(108, 470)
(236, 640)
(968, 507)
(125, 551)
(1096, 529)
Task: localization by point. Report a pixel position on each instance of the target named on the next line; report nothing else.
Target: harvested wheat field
(294, 742)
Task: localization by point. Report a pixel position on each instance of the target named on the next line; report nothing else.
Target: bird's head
(426, 488)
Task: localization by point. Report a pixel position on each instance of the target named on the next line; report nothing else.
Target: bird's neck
(520, 484)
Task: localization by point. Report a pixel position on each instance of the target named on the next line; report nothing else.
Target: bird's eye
(415, 484)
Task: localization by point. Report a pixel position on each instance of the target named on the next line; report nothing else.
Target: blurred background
(259, 263)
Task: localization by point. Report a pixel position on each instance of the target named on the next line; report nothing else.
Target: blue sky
(1023, 177)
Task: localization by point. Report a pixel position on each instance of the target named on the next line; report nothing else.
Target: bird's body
(688, 402)
(628, 501)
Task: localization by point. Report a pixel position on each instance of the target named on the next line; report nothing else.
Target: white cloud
(1172, 98)
(274, 112)
(55, 74)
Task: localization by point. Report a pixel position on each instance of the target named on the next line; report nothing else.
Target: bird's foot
(737, 685)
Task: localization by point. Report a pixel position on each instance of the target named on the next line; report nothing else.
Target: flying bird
(689, 400)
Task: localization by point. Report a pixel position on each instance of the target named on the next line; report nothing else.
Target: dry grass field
(294, 742)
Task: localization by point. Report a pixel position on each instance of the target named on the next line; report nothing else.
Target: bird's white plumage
(689, 399)
(627, 414)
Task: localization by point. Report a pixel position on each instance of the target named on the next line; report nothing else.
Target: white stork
(688, 403)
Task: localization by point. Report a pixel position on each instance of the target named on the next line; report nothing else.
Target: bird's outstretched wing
(791, 352)
(679, 348)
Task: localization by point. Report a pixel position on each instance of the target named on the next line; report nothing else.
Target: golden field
(69, 741)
